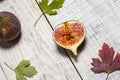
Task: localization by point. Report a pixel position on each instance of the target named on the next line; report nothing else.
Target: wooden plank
(2, 75)
(102, 22)
(35, 44)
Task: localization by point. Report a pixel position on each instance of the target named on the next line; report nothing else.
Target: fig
(69, 35)
(10, 27)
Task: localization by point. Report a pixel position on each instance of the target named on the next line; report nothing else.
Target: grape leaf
(108, 62)
(51, 8)
(24, 70)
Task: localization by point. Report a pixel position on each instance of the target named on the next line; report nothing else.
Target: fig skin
(10, 27)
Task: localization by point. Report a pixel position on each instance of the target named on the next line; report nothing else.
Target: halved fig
(69, 35)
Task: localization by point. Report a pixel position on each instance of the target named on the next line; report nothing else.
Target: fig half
(70, 35)
(10, 26)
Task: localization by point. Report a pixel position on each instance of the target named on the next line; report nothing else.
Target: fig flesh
(69, 35)
(10, 26)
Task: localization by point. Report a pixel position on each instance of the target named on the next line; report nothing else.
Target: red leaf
(108, 62)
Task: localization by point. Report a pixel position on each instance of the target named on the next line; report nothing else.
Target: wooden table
(102, 21)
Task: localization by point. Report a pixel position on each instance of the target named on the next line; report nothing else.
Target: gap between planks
(64, 49)
(3, 72)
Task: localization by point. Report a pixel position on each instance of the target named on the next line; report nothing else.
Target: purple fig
(10, 26)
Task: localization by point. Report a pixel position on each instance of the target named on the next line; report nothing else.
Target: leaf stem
(38, 19)
(9, 66)
(107, 76)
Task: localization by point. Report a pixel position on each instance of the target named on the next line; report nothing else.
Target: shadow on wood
(1, 0)
(79, 50)
(10, 44)
(64, 51)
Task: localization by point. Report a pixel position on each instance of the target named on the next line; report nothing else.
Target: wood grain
(2, 75)
(102, 21)
(35, 44)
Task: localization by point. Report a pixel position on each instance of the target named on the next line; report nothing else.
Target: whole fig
(10, 26)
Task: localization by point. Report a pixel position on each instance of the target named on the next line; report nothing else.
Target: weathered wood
(102, 21)
(35, 44)
(2, 75)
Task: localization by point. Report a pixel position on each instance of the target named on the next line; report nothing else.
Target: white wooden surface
(36, 44)
(102, 21)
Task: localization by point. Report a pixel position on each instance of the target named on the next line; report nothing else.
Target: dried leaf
(108, 62)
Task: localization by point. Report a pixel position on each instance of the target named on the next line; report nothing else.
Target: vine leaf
(108, 61)
(49, 8)
(24, 70)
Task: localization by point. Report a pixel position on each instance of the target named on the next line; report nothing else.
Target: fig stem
(38, 19)
(74, 50)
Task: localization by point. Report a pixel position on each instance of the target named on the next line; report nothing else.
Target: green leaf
(20, 77)
(24, 70)
(51, 8)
